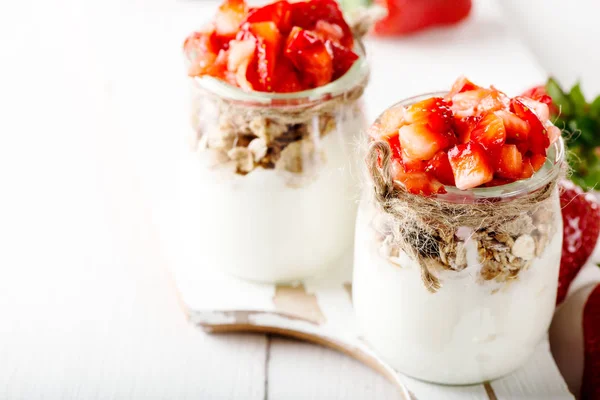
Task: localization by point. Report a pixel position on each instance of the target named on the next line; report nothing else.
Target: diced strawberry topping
(201, 49)
(495, 100)
(464, 126)
(540, 109)
(394, 142)
(472, 137)
(309, 54)
(465, 104)
(540, 94)
(286, 77)
(462, 84)
(306, 15)
(420, 183)
(554, 133)
(439, 166)
(343, 58)
(229, 17)
(538, 135)
(470, 165)
(528, 170)
(241, 55)
(309, 38)
(537, 161)
(510, 162)
(515, 127)
(434, 112)
(489, 133)
(329, 31)
(388, 123)
(419, 142)
(268, 42)
(278, 13)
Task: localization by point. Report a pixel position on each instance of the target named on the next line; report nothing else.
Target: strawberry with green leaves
(580, 121)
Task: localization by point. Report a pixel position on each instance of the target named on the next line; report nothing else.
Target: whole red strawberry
(407, 16)
(581, 226)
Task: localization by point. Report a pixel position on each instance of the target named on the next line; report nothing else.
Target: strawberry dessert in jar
(458, 235)
(268, 188)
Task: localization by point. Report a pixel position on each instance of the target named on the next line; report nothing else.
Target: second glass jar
(475, 303)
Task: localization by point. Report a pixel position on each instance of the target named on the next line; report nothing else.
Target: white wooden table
(86, 303)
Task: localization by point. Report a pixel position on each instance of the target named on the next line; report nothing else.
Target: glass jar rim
(549, 172)
(353, 77)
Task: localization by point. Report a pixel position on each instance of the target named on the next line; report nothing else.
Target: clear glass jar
(268, 186)
(475, 307)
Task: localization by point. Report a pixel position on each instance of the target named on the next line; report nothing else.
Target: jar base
(468, 379)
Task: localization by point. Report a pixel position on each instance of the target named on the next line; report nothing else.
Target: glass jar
(268, 185)
(464, 305)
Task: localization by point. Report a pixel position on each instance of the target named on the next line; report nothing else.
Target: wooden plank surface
(87, 307)
(298, 370)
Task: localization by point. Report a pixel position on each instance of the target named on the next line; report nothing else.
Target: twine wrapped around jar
(509, 232)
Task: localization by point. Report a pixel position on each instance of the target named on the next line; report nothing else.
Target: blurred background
(93, 102)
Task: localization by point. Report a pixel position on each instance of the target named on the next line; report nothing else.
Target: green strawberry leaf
(559, 98)
(584, 128)
(595, 108)
(578, 100)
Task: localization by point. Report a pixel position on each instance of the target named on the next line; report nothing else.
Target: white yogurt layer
(469, 331)
(260, 228)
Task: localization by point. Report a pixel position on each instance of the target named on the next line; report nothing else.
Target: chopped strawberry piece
(498, 182)
(515, 127)
(462, 84)
(420, 183)
(537, 161)
(241, 56)
(463, 127)
(328, 31)
(470, 165)
(388, 123)
(306, 14)
(489, 133)
(553, 133)
(286, 78)
(278, 12)
(465, 104)
(413, 165)
(343, 58)
(439, 166)
(540, 94)
(434, 112)
(419, 142)
(540, 109)
(528, 170)
(495, 100)
(268, 43)
(229, 17)
(394, 142)
(510, 162)
(201, 49)
(309, 55)
(538, 136)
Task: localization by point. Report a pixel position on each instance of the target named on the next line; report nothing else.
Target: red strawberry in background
(406, 16)
(575, 342)
(581, 226)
